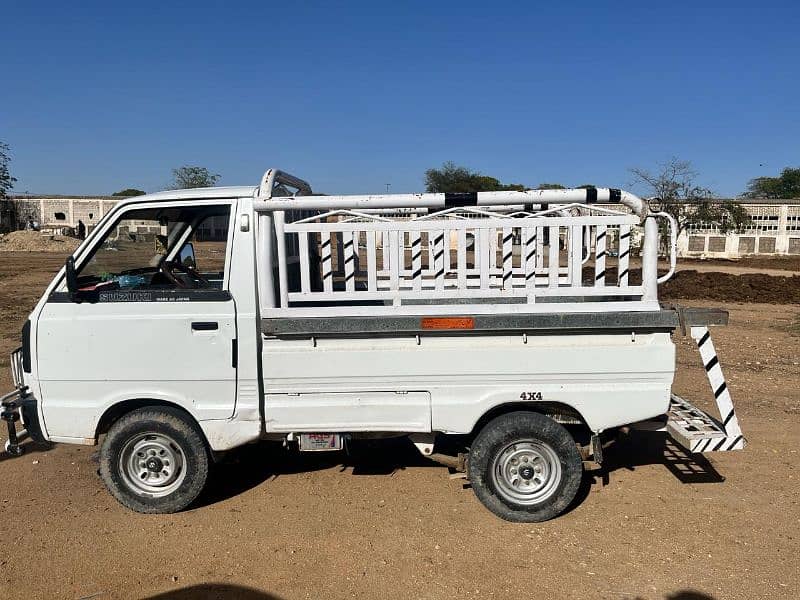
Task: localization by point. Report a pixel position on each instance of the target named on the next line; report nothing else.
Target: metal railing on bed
(485, 253)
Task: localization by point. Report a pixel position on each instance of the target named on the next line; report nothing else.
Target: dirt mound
(33, 241)
(750, 287)
(785, 263)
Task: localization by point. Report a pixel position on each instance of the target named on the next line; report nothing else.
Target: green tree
(128, 192)
(551, 186)
(6, 180)
(785, 186)
(453, 178)
(674, 186)
(187, 177)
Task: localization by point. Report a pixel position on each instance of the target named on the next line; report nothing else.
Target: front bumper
(20, 406)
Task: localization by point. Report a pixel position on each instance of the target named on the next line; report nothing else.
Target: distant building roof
(63, 197)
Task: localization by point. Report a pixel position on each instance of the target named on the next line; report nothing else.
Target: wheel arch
(119, 409)
(560, 412)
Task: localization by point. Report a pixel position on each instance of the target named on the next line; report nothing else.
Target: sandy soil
(655, 524)
(34, 241)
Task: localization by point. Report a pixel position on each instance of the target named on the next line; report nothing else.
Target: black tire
(539, 494)
(169, 450)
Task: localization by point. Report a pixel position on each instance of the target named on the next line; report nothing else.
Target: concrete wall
(56, 212)
(775, 230)
(61, 213)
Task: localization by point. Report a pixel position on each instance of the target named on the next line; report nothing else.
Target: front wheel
(154, 460)
(525, 467)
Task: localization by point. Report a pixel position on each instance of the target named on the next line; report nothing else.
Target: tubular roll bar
(265, 202)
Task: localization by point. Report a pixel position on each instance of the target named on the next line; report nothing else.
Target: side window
(162, 248)
(210, 242)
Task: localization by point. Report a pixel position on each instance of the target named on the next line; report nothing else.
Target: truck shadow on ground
(214, 591)
(640, 448)
(247, 467)
(30, 448)
(224, 591)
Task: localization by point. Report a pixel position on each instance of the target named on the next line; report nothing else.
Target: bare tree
(187, 177)
(675, 188)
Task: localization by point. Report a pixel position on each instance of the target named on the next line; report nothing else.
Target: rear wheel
(154, 460)
(525, 467)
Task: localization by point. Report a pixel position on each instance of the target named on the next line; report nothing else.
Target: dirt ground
(655, 524)
(783, 263)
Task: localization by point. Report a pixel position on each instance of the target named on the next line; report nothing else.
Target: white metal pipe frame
(308, 227)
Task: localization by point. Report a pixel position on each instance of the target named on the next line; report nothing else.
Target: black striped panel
(455, 199)
(736, 440)
(703, 339)
(712, 363)
(728, 418)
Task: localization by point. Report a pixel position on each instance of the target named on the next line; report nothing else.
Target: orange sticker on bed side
(448, 323)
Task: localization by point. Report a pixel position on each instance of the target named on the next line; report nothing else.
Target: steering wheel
(168, 266)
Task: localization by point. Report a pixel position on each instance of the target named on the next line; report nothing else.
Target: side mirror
(186, 257)
(72, 280)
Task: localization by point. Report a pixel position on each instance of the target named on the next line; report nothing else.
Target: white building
(774, 230)
(60, 214)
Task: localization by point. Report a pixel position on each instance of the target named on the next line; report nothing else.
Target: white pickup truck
(191, 322)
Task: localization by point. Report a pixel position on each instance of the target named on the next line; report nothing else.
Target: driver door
(144, 330)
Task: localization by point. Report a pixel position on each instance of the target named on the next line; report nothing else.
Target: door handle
(205, 325)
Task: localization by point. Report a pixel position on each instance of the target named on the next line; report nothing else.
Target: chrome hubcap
(526, 472)
(153, 464)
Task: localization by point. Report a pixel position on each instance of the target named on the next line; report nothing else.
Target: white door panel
(91, 353)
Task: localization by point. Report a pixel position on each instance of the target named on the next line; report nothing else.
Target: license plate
(320, 442)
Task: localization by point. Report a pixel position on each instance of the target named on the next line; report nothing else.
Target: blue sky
(351, 96)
